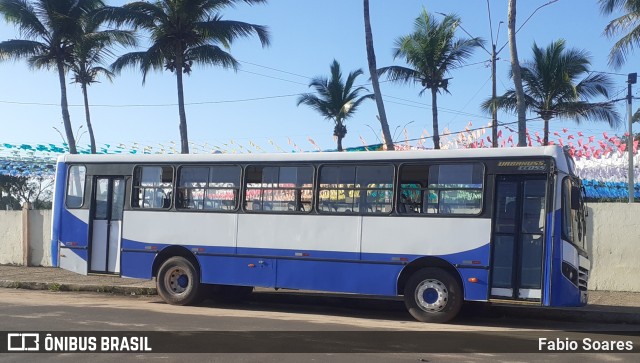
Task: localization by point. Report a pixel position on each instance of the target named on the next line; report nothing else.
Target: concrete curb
(54, 286)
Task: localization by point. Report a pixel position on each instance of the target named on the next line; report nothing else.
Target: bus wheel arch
(177, 275)
(433, 290)
(173, 251)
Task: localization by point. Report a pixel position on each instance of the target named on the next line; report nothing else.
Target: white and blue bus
(437, 227)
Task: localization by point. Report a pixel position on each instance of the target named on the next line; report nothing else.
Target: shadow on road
(393, 309)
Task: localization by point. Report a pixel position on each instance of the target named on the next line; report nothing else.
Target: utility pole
(632, 79)
(494, 111)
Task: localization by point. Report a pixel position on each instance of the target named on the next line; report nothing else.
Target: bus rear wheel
(433, 295)
(178, 282)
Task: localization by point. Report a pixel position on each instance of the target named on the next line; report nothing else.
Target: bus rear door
(106, 224)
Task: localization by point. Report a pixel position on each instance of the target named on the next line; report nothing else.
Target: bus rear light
(473, 280)
(475, 262)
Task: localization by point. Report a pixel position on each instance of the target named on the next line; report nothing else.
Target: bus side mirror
(575, 197)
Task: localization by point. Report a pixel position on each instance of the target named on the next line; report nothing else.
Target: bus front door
(106, 225)
(518, 237)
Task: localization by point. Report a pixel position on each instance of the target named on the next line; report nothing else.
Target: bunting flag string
(601, 163)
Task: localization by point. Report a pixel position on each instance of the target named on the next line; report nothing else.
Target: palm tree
(182, 33)
(554, 87)
(521, 109)
(48, 26)
(90, 51)
(371, 60)
(630, 22)
(336, 100)
(431, 51)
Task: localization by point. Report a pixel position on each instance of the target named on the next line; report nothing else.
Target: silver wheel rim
(176, 280)
(431, 296)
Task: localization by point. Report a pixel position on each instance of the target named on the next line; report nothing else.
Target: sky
(257, 104)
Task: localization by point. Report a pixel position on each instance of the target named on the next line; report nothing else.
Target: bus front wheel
(432, 295)
(178, 282)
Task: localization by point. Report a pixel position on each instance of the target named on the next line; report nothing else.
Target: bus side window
(75, 186)
(279, 189)
(152, 187)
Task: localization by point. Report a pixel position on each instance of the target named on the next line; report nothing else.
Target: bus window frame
(84, 187)
(428, 164)
(238, 189)
(173, 188)
(356, 165)
(572, 181)
(244, 188)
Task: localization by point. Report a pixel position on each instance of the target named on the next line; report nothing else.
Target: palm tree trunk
(184, 139)
(339, 131)
(87, 116)
(545, 140)
(66, 118)
(371, 58)
(517, 76)
(434, 111)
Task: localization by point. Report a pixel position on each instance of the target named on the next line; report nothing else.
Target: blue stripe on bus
(336, 271)
(59, 192)
(563, 291)
(75, 231)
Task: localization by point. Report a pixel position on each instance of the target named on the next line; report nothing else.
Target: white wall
(613, 243)
(40, 237)
(11, 237)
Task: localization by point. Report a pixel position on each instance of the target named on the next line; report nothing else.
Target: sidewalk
(604, 306)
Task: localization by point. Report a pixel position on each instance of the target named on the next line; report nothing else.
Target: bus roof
(551, 151)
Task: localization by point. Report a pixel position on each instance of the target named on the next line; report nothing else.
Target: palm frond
(25, 16)
(400, 74)
(585, 111)
(226, 31)
(138, 14)
(21, 49)
(211, 55)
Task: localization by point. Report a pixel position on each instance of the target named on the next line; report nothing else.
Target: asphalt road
(24, 310)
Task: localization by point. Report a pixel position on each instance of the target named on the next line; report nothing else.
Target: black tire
(433, 295)
(178, 282)
(230, 293)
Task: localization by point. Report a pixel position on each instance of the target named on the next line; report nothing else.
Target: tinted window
(441, 189)
(212, 188)
(356, 189)
(75, 186)
(274, 189)
(152, 187)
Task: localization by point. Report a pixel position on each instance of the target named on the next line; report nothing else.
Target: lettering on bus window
(210, 188)
(75, 186)
(441, 189)
(277, 189)
(152, 187)
(356, 189)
